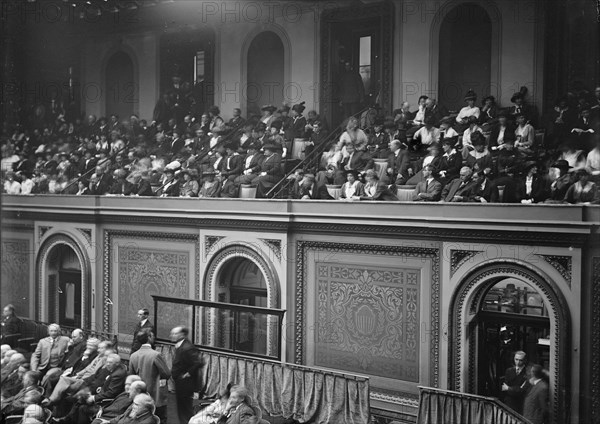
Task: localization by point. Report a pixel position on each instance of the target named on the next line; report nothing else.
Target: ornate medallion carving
(459, 257)
(274, 245)
(563, 264)
(302, 280)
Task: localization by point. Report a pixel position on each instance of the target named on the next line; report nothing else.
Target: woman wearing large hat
(560, 181)
(210, 187)
(469, 110)
(267, 115)
(270, 170)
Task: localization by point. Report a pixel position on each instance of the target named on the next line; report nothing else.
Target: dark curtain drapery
(287, 390)
(448, 407)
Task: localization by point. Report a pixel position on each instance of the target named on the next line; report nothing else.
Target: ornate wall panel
(140, 264)
(16, 261)
(370, 310)
(368, 320)
(595, 396)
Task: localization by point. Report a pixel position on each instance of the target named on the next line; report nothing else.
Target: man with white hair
(50, 351)
(122, 403)
(111, 385)
(142, 411)
(11, 367)
(30, 394)
(74, 353)
(459, 189)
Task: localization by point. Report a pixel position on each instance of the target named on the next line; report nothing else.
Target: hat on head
(353, 172)
(253, 146)
(372, 173)
(519, 95)
(528, 165)
(284, 108)
(269, 108)
(232, 145)
(272, 147)
(277, 124)
(389, 124)
(299, 107)
(470, 95)
(486, 98)
(450, 141)
(173, 166)
(561, 164)
(379, 121)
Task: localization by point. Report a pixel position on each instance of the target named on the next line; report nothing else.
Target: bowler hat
(470, 95)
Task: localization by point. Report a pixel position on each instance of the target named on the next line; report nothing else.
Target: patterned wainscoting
(359, 311)
(140, 264)
(16, 262)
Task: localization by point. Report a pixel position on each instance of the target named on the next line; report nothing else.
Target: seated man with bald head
(459, 189)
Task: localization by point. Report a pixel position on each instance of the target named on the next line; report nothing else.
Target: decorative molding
(274, 245)
(109, 235)
(595, 348)
(16, 261)
(86, 284)
(271, 279)
(209, 242)
(42, 231)
(16, 226)
(481, 280)
(415, 231)
(459, 257)
(410, 400)
(302, 283)
(87, 233)
(563, 264)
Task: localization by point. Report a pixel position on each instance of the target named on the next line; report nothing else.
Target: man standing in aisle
(144, 322)
(152, 368)
(184, 370)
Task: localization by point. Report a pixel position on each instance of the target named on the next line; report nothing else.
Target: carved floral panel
(367, 320)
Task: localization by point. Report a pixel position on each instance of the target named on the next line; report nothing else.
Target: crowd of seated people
(79, 380)
(508, 158)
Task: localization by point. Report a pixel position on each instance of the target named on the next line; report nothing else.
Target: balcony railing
(222, 327)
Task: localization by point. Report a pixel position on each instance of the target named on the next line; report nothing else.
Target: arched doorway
(241, 282)
(265, 72)
(238, 274)
(465, 54)
(63, 283)
(121, 93)
(501, 308)
(64, 287)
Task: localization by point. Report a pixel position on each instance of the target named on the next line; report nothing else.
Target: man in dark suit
(450, 162)
(483, 191)
(31, 393)
(152, 368)
(398, 163)
(184, 370)
(309, 189)
(271, 171)
(251, 165)
(110, 386)
(428, 190)
(535, 405)
(50, 351)
(515, 382)
(233, 163)
(144, 323)
(356, 160)
(459, 189)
